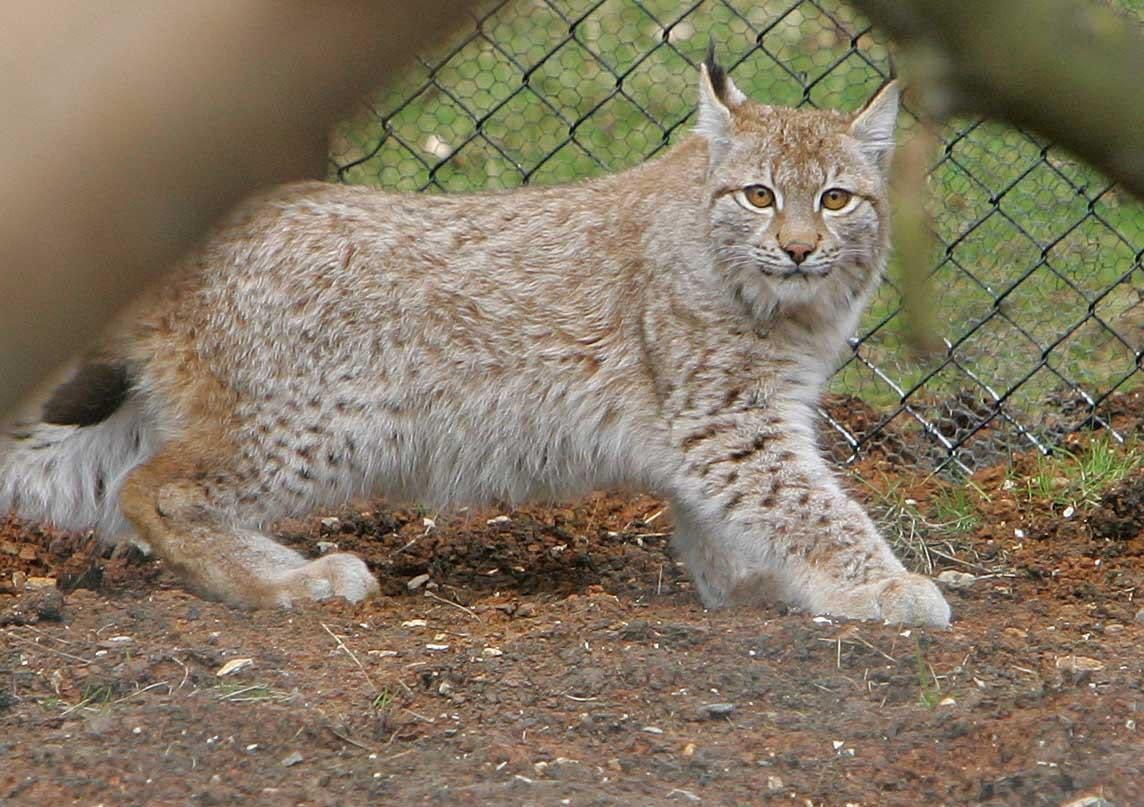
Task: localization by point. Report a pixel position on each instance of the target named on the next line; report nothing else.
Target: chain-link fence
(1040, 288)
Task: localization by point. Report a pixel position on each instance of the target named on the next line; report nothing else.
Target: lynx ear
(873, 126)
(718, 97)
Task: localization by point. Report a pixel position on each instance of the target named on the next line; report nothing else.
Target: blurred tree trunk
(1067, 69)
(128, 127)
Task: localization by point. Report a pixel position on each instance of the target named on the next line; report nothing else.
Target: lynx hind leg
(183, 508)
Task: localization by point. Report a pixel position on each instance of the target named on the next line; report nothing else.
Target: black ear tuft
(715, 73)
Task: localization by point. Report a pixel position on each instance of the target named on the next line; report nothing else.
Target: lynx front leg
(759, 517)
(189, 513)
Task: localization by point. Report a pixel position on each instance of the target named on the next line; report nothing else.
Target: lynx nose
(798, 250)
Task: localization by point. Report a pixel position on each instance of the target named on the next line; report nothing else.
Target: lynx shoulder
(669, 327)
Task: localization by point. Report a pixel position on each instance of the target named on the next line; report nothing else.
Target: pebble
(955, 579)
(417, 582)
(291, 759)
(1079, 664)
(714, 710)
(1088, 801)
(36, 605)
(233, 666)
(34, 582)
(326, 547)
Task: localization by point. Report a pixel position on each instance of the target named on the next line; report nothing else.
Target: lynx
(669, 327)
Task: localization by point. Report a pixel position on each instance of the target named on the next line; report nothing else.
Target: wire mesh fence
(1037, 261)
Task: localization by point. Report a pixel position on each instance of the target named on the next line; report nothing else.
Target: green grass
(1079, 478)
(929, 690)
(915, 527)
(243, 692)
(383, 700)
(534, 98)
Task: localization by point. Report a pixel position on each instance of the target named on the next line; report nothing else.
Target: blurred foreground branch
(1067, 69)
(129, 127)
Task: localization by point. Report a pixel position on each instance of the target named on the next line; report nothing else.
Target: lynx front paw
(912, 600)
(337, 575)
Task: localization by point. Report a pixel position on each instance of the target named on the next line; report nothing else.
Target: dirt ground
(558, 656)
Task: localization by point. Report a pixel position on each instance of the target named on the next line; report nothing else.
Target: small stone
(27, 552)
(1088, 801)
(417, 582)
(715, 710)
(1114, 628)
(498, 520)
(1069, 511)
(34, 605)
(492, 652)
(34, 582)
(652, 729)
(291, 759)
(774, 783)
(326, 547)
(414, 623)
(1079, 664)
(233, 666)
(331, 523)
(954, 579)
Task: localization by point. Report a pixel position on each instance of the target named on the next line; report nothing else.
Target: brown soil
(558, 656)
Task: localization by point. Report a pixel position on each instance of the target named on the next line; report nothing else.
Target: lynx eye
(836, 198)
(759, 195)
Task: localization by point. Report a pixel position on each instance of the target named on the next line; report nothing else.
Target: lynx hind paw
(913, 600)
(336, 575)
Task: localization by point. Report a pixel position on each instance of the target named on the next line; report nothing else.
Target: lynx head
(797, 197)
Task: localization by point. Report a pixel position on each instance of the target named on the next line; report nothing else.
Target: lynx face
(797, 196)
